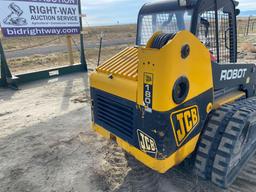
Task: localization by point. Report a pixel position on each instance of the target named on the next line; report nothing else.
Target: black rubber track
(218, 142)
(210, 139)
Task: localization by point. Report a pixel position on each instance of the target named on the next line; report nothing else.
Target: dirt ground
(55, 60)
(47, 145)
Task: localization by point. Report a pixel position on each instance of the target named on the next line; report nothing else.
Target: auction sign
(39, 17)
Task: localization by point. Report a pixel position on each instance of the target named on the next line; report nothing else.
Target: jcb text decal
(147, 144)
(184, 122)
(148, 90)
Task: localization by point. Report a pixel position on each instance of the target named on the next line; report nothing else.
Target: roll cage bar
(199, 8)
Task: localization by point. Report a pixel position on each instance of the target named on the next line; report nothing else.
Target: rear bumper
(160, 166)
(136, 131)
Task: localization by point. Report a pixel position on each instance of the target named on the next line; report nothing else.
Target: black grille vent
(115, 116)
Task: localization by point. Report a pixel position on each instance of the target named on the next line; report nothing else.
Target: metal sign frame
(5, 71)
(8, 80)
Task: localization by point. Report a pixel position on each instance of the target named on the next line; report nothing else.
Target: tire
(227, 142)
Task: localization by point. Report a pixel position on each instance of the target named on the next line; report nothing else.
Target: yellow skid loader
(180, 91)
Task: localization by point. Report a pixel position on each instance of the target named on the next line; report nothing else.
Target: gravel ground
(46, 145)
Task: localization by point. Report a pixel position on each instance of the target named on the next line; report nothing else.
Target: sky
(108, 12)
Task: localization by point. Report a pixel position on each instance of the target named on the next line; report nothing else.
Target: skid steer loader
(180, 91)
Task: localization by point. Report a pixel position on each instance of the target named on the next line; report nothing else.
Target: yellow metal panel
(123, 76)
(101, 131)
(160, 166)
(122, 65)
(121, 87)
(229, 98)
(113, 60)
(167, 66)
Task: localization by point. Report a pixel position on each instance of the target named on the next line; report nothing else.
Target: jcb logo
(147, 144)
(148, 78)
(184, 122)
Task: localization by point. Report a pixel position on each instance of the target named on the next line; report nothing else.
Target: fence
(246, 26)
(25, 55)
(32, 58)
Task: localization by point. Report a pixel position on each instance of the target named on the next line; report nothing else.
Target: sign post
(3, 80)
(70, 50)
(6, 76)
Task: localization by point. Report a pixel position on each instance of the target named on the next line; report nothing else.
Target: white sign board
(39, 17)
